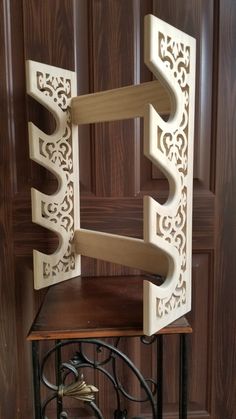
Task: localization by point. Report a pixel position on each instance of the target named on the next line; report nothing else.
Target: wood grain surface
(8, 336)
(224, 320)
(95, 307)
(108, 35)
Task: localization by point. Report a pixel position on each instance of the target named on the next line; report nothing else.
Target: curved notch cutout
(170, 54)
(58, 153)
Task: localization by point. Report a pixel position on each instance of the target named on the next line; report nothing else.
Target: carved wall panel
(58, 153)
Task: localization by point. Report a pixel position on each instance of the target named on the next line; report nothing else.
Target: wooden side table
(86, 310)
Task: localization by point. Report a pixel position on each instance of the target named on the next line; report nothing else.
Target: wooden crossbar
(123, 103)
(123, 250)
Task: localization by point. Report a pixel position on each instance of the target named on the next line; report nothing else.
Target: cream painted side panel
(170, 55)
(54, 88)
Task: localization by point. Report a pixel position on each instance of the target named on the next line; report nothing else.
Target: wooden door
(103, 41)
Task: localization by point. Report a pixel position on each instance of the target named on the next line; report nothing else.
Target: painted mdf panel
(172, 55)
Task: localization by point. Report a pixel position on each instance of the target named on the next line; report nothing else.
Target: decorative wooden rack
(166, 245)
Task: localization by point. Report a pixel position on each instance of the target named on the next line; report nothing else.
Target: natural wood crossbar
(123, 103)
(128, 251)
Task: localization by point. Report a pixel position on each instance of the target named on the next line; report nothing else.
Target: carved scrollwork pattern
(176, 57)
(170, 55)
(58, 152)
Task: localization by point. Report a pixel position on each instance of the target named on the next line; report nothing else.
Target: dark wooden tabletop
(95, 307)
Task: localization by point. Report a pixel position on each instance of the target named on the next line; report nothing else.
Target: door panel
(103, 41)
(224, 314)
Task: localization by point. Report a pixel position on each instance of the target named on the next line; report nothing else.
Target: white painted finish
(53, 88)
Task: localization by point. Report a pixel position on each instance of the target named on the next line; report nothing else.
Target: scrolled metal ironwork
(82, 357)
(125, 393)
(73, 384)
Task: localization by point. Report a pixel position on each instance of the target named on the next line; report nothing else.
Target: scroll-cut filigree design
(58, 88)
(58, 152)
(176, 57)
(170, 55)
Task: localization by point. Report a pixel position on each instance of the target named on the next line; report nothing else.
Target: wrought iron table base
(78, 389)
